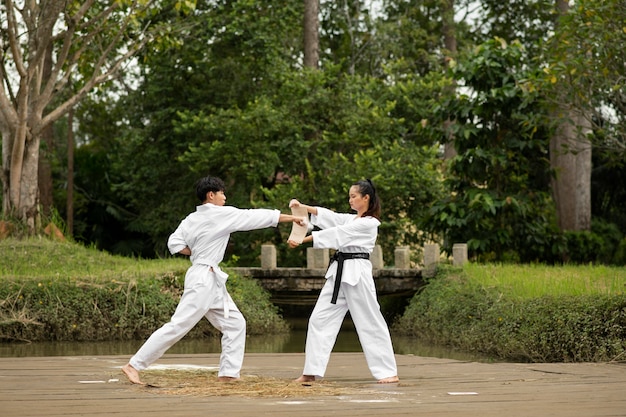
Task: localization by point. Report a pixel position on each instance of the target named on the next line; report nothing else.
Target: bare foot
(305, 378)
(390, 380)
(132, 374)
(226, 378)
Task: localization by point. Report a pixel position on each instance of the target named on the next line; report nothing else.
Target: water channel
(292, 342)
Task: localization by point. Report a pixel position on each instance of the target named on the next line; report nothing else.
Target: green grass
(42, 258)
(532, 281)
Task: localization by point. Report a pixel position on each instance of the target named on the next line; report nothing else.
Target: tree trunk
(449, 41)
(45, 171)
(28, 207)
(47, 136)
(7, 144)
(311, 33)
(570, 158)
(70, 173)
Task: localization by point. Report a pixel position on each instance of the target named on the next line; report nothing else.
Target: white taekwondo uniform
(349, 234)
(206, 232)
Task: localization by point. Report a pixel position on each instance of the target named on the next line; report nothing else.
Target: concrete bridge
(302, 285)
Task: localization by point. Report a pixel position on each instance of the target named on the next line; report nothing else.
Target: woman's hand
(300, 221)
(293, 244)
(294, 203)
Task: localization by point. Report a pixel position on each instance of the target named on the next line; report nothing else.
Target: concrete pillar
(317, 258)
(268, 256)
(377, 258)
(459, 254)
(402, 257)
(431, 258)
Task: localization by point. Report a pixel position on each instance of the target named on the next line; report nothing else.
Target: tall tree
(311, 33)
(570, 151)
(450, 43)
(585, 81)
(94, 39)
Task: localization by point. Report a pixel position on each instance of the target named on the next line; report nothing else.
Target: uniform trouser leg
(233, 330)
(203, 296)
(324, 325)
(193, 305)
(372, 328)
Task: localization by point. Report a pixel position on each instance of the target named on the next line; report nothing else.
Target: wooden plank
(94, 386)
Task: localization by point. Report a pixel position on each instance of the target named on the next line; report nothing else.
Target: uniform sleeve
(176, 241)
(253, 219)
(359, 233)
(326, 218)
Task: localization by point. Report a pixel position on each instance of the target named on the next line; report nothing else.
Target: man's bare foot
(390, 380)
(132, 374)
(227, 379)
(305, 378)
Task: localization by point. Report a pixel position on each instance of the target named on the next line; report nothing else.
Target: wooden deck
(430, 387)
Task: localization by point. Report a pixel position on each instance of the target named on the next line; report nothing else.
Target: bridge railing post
(431, 259)
(459, 254)
(402, 257)
(317, 258)
(268, 256)
(377, 258)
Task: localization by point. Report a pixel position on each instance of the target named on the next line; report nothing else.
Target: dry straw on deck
(205, 384)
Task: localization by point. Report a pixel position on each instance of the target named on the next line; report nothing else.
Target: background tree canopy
(226, 93)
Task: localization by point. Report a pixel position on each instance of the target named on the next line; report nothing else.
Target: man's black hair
(206, 184)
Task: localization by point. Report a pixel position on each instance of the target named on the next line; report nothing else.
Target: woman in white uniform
(203, 235)
(349, 286)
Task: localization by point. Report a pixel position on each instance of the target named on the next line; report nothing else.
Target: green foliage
(582, 246)
(584, 67)
(498, 198)
(454, 310)
(527, 21)
(620, 253)
(410, 33)
(62, 291)
(599, 245)
(323, 132)
(226, 95)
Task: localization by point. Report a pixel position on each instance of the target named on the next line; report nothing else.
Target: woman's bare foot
(390, 380)
(132, 374)
(305, 378)
(226, 378)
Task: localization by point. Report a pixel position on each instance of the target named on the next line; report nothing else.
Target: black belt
(340, 257)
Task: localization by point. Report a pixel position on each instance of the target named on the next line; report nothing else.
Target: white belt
(221, 278)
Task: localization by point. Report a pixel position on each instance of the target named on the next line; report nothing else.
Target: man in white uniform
(204, 235)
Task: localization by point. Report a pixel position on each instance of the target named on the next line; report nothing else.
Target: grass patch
(532, 281)
(60, 291)
(524, 313)
(42, 258)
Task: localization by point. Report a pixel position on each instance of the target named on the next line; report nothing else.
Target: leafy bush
(620, 253)
(611, 237)
(583, 246)
(67, 309)
(71, 310)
